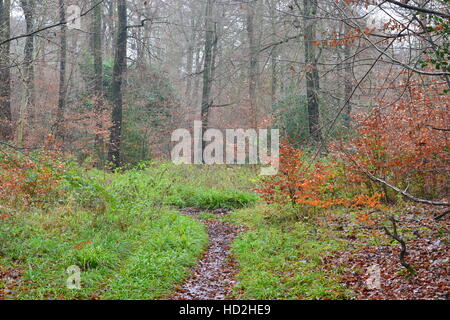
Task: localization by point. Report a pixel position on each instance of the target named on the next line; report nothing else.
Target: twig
(11, 146)
(404, 193)
(418, 9)
(394, 235)
(442, 215)
(48, 27)
(439, 129)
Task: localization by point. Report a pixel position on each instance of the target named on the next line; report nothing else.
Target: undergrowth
(119, 228)
(280, 257)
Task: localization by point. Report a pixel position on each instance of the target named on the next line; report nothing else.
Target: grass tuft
(281, 259)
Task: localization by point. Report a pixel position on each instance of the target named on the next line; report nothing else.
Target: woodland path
(214, 276)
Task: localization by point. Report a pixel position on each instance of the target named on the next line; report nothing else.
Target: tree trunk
(5, 72)
(348, 87)
(198, 69)
(117, 82)
(190, 63)
(28, 76)
(253, 66)
(208, 68)
(28, 7)
(253, 63)
(273, 56)
(62, 73)
(312, 72)
(98, 79)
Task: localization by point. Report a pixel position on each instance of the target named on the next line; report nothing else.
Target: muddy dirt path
(213, 278)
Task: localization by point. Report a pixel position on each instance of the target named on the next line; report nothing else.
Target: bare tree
(253, 70)
(28, 7)
(98, 75)
(208, 68)
(117, 82)
(5, 72)
(62, 73)
(312, 71)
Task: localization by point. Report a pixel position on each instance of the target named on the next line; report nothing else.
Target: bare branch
(404, 193)
(394, 235)
(418, 9)
(442, 215)
(439, 129)
(48, 27)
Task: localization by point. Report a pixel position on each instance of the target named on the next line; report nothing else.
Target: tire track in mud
(214, 276)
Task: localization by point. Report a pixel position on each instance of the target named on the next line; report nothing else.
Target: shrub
(405, 145)
(311, 184)
(29, 178)
(299, 181)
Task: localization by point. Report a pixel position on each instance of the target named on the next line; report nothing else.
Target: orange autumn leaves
(28, 180)
(296, 182)
(405, 143)
(312, 183)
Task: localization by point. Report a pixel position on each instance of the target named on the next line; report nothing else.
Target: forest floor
(121, 230)
(427, 243)
(130, 238)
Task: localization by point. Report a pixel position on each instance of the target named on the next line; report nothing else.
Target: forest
(224, 149)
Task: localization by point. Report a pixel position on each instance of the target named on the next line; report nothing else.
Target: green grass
(281, 258)
(119, 228)
(143, 261)
(197, 197)
(203, 187)
(167, 252)
(208, 216)
(219, 177)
